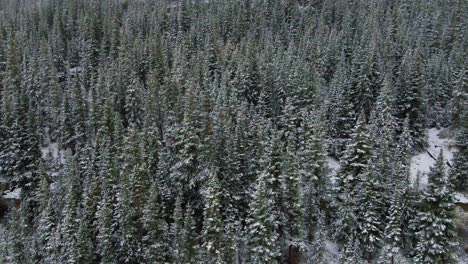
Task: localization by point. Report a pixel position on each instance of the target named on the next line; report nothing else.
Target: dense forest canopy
(201, 131)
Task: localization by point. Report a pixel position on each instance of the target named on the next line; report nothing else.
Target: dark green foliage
(190, 131)
(435, 228)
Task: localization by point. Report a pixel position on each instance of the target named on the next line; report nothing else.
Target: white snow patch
(13, 195)
(332, 248)
(51, 149)
(423, 162)
(75, 70)
(461, 198)
(332, 254)
(333, 168)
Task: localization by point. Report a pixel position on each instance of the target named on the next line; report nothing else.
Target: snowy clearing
(51, 149)
(423, 161)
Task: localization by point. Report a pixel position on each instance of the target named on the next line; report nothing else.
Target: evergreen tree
(47, 223)
(410, 99)
(370, 215)
(356, 158)
(293, 211)
(459, 172)
(175, 112)
(352, 252)
(88, 221)
(213, 226)
(392, 251)
(186, 245)
(70, 222)
(19, 243)
(312, 170)
(436, 231)
(106, 221)
(156, 243)
(262, 224)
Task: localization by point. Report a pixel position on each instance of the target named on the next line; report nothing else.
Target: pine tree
(370, 214)
(213, 226)
(318, 246)
(411, 202)
(155, 240)
(410, 99)
(88, 223)
(47, 220)
(352, 253)
(47, 234)
(262, 224)
(70, 222)
(186, 247)
(132, 194)
(106, 221)
(186, 170)
(356, 159)
(312, 170)
(459, 172)
(248, 78)
(392, 251)
(19, 244)
(436, 232)
(354, 165)
(133, 104)
(382, 123)
(365, 82)
(345, 224)
(291, 198)
(340, 109)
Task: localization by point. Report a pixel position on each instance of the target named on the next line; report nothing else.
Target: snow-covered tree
(213, 225)
(435, 228)
(370, 212)
(356, 158)
(156, 238)
(262, 223)
(69, 251)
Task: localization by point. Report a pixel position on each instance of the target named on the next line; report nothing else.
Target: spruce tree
(70, 221)
(262, 224)
(410, 99)
(370, 214)
(392, 251)
(155, 240)
(435, 229)
(356, 158)
(213, 225)
(459, 172)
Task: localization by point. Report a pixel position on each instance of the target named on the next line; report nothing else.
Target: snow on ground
(332, 253)
(423, 162)
(461, 198)
(14, 195)
(52, 149)
(333, 168)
